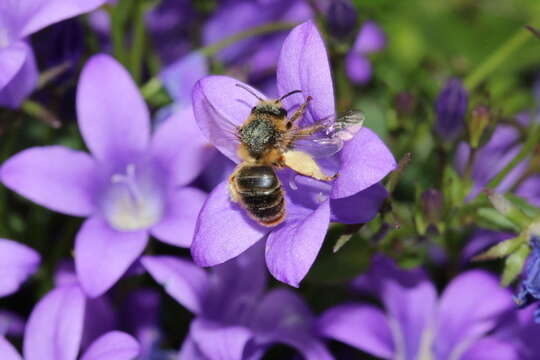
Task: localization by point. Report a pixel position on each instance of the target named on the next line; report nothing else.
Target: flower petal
(465, 314)
(11, 324)
(17, 263)
(56, 177)
(235, 285)
(179, 145)
(189, 350)
(358, 68)
(54, 329)
(11, 61)
(183, 280)
(362, 326)
(292, 248)
(178, 225)
(303, 65)
(365, 160)
(218, 341)
(180, 77)
(8, 351)
(283, 316)
(102, 254)
(24, 80)
(359, 208)
(114, 345)
(34, 15)
(110, 107)
(490, 348)
(220, 106)
(223, 229)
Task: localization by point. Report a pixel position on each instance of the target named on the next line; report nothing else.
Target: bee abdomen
(260, 192)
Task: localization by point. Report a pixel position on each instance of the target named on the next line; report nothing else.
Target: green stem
(154, 84)
(532, 139)
(136, 53)
(506, 50)
(39, 112)
(119, 15)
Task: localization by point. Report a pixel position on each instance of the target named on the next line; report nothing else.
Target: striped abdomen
(258, 189)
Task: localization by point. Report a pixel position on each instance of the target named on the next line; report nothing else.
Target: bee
(269, 141)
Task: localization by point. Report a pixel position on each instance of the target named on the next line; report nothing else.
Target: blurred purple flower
(417, 325)
(451, 108)
(370, 39)
(259, 53)
(18, 20)
(169, 25)
(54, 331)
(131, 185)
(224, 231)
(502, 147)
(11, 324)
(529, 291)
(17, 263)
(234, 317)
(342, 18)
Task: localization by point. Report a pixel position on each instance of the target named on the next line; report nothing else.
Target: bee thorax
(259, 136)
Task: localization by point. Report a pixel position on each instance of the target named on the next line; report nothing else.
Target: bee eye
(282, 112)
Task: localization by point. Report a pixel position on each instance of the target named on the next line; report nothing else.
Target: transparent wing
(328, 135)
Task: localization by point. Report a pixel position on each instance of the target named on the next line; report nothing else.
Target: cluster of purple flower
(167, 179)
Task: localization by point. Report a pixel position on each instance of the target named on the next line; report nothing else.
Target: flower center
(133, 201)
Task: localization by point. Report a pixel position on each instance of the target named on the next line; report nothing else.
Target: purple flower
(370, 39)
(502, 147)
(234, 317)
(259, 53)
(54, 331)
(415, 324)
(451, 107)
(224, 231)
(17, 263)
(342, 18)
(18, 20)
(529, 291)
(129, 187)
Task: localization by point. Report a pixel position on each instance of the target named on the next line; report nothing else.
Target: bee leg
(304, 164)
(298, 113)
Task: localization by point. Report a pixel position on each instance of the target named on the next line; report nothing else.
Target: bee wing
(327, 136)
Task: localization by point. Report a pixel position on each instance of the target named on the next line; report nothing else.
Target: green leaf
(514, 264)
(502, 249)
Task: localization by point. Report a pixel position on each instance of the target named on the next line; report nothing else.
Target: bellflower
(258, 53)
(415, 324)
(129, 187)
(370, 39)
(529, 291)
(18, 20)
(224, 231)
(54, 331)
(502, 147)
(17, 263)
(451, 107)
(235, 318)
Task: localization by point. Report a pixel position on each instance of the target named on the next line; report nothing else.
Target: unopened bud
(342, 18)
(371, 38)
(451, 107)
(432, 205)
(480, 119)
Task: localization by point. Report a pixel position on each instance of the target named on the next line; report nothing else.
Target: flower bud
(371, 38)
(451, 107)
(358, 68)
(480, 119)
(432, 201)
(342, 18)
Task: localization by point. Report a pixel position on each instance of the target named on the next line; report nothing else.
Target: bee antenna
(289, 94)
(249, 91)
